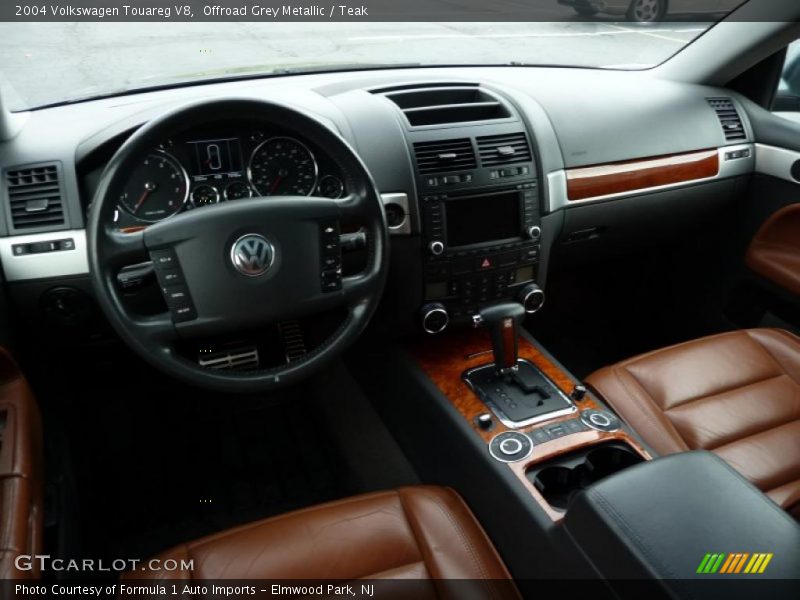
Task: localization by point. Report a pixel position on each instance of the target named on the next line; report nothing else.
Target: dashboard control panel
(479, 249)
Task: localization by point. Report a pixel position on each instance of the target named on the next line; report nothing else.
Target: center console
(480, 248)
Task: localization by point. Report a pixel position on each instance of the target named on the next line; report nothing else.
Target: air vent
(34, 197)
(444, 155)
(731, 123)
(503, 149)
(445, 105)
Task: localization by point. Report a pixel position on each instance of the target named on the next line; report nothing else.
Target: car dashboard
(484, 173)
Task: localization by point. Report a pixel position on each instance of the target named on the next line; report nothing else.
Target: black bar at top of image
(385, 10)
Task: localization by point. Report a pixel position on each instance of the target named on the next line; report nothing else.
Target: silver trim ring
(528, 295)
(437, 309)
(252, 255)
(231, 184)
(202, 185)
(511, 435)
(291, 139)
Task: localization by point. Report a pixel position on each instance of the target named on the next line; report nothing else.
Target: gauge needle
(148, 187)
(275, 185)
(141, 201)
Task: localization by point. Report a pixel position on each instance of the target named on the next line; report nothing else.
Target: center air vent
(34, 197)
(444, 155)
(503, 149)
(729, 119)
(449, 104)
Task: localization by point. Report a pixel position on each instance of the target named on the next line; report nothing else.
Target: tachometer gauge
(330, 186)
(203, 195)
(157, 188)
(237, 190)
(283, 166)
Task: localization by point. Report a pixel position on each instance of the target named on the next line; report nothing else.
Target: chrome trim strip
(557, 180)
(776, 162)
(498, 412)
(401, 199)
(48, 264)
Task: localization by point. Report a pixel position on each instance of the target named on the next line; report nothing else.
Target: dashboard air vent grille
(444, 155)
(503, 149)
(34, 197)
(448, 104)
(729, 118)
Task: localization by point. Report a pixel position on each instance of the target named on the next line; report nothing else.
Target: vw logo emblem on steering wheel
(252, 255)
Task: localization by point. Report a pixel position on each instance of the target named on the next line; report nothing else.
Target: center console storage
(560, 479)
(692, 526)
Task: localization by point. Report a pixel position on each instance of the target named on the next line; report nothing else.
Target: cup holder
(560, 479)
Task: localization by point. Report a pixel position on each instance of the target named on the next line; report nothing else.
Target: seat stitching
(792, 338)
(722, 391)
(411, 526)
(790, 482)
(464, 539)
(648, 399)
(403, 566)
(753, 434)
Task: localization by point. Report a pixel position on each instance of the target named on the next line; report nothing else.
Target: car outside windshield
(51, 63)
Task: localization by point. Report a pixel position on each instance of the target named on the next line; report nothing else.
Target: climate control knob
(435, 318)
(436, 248)
(534, 232)
(531, 297)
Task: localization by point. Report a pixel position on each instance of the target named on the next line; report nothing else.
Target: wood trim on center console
(444, 360)
(628, 176)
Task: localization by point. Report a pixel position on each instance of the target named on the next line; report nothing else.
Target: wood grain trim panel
(629, 176)
(444, 360)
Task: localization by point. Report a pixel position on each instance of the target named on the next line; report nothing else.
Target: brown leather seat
(410, 533)
(21, 471)
(737, 394)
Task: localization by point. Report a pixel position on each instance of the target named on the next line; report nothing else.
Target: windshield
(47, 63)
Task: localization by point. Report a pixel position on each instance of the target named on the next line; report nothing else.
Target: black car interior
(568, 295)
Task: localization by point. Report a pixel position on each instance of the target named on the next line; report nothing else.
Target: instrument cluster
(224, 164)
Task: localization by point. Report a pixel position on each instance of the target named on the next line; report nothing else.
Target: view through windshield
(45, 63)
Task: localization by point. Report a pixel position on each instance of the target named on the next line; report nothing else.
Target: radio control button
(534, 232)
(436, 248)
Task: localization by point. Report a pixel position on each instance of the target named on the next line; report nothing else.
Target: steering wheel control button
(510, 446)
(164, 259)
(173, 286)
(331, 256)
(600, 420)
(252, 255)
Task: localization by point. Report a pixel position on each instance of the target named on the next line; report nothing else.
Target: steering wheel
(240, 265)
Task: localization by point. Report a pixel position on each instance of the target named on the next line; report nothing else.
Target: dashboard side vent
(35, 197)
(503, 149)
(444, 155)
(729, 118)
(445, 105)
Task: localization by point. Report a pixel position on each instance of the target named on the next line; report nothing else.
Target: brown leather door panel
(774, 252)
(21, 470)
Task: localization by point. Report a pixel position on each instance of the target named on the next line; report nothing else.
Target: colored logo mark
(734, 563)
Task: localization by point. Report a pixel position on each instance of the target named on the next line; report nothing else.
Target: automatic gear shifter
(516, 391)
(502, 321)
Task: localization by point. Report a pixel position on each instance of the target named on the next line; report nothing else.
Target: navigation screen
(213, 157)
(482, 219)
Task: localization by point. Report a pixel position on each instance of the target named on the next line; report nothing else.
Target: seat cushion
(736, 394)
(21, 471)
(411, 533)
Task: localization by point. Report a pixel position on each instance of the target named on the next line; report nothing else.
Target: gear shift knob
(502, 321)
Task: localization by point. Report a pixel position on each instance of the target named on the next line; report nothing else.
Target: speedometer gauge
(156, 189)
(283, 166)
